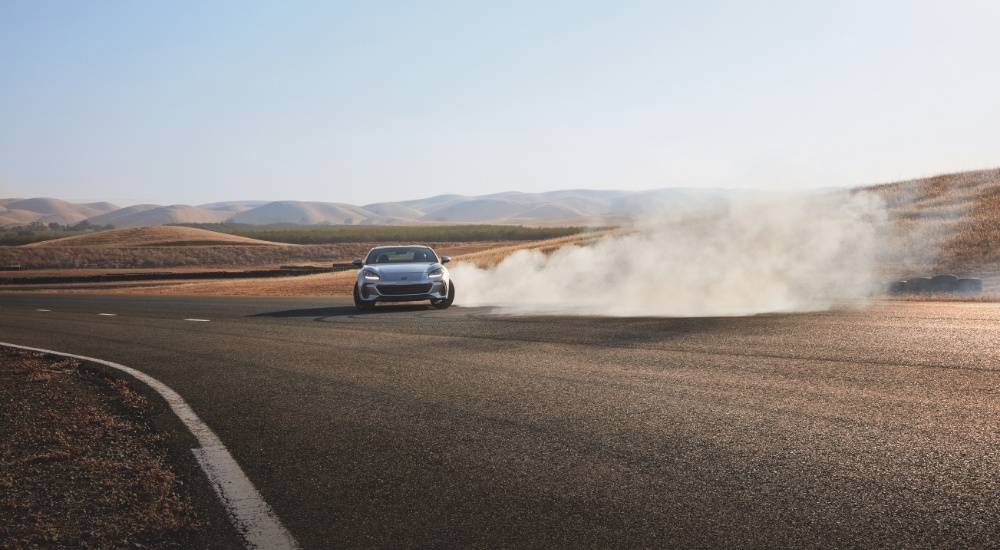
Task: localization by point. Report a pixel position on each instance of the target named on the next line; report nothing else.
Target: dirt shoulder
(89, 461)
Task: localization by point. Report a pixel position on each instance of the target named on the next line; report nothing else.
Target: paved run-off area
(872, 427)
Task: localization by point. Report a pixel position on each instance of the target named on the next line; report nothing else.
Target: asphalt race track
(413, 427)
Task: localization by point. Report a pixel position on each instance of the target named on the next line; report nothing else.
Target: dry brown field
(132, 237)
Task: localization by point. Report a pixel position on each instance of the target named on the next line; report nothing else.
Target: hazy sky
(194, 102)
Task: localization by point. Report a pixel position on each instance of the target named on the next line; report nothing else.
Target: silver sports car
(403, 274)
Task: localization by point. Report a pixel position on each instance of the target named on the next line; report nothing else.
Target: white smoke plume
(790, 253)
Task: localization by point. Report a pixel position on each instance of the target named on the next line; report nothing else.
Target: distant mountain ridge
(45, 210)
(565, 207)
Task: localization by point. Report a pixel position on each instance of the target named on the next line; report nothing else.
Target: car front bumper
(374, 291)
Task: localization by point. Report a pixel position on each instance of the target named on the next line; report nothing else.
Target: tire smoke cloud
(752, 255)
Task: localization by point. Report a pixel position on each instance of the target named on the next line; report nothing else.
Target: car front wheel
(362, 305)
(444, 303)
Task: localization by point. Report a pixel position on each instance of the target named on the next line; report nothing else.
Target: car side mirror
(445, 259)
(358, 262)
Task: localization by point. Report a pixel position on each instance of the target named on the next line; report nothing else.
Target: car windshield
(402, 255)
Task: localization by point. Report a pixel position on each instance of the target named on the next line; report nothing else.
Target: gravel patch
(81, 466)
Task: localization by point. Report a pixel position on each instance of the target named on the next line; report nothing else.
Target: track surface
(415, 427)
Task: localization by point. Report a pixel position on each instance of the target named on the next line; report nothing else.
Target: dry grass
(107, 271)
(228, 256)
(984, 299)
(215, 256)
(944, 224)
(131, 237)
(79, 467)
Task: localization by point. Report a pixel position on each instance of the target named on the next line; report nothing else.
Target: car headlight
(436, 273)
(370, 275)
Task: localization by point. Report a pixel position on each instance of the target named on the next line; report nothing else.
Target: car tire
(362, 305)
(445, 303)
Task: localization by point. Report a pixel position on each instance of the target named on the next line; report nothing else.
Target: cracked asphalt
(865, 427)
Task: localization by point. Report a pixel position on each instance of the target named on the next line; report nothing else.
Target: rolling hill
(48, 210)
(304, 213)
(946, 223)
(152, 236)
(571, 206)
(233, 206)
(151, 214)
(393, 210)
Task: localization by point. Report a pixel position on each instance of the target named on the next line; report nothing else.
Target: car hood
(399, 269)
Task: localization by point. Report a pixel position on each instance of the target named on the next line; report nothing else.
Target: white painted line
(236, 491)
(108, 314)
(43, 310)
(198, 320)
(251, 516)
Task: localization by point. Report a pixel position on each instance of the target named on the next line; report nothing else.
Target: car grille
(403, 290)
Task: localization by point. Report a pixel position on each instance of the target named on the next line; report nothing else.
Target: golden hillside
(946, 223)
(131, 237)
